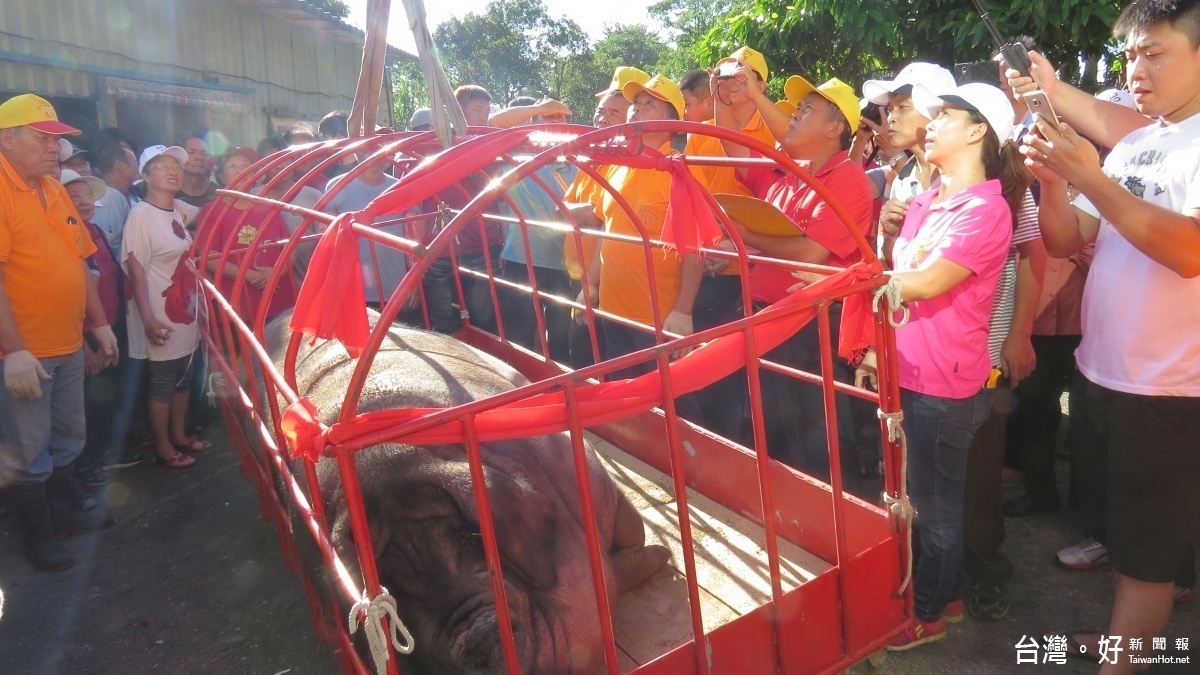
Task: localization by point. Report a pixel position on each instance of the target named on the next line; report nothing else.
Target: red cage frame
(836, 619)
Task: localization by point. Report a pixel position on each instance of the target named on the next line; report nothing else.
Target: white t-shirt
(1141, 321)
(158, 239)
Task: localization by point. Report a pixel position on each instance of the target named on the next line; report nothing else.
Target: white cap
(98, 187)
(155, 150)
(1118, 96)
(65, 150)
(985, 99)
(931, 75)
(420, 117)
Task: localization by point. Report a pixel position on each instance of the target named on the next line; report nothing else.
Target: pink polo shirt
(943, 350)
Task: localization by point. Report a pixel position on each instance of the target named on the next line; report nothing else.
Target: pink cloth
(943, 350)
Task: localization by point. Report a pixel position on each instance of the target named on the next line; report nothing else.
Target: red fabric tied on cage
(332, 304)
(304, 432)
(597, 404)
(689, 224)
(857, 332)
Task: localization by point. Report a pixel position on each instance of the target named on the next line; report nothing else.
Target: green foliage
(335, 8)
(687, 23)
(859, 39)
(408, 92)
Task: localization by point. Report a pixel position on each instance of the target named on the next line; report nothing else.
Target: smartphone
(873, 112)
(987, 72)
(1039, 104)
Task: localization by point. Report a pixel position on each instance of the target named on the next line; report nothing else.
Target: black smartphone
(987, 72)
(873, 112)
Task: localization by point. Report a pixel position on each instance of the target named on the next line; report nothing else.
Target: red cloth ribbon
(857, 331)
(597, 404)
(332, 303)
(690, 224)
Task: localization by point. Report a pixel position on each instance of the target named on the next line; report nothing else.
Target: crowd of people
(1034, 256)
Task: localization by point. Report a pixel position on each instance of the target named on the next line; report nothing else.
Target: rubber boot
(72, 511)
(32, 505)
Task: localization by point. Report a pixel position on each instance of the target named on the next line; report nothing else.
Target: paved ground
(191, 580)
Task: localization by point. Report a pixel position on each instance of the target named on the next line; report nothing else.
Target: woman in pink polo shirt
(948, 258)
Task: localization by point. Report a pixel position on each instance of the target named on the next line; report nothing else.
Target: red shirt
(813, 217)
(260, 217)
(109, 286)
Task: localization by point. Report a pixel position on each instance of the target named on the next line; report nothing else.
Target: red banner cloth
(332, 304)
(597, 404)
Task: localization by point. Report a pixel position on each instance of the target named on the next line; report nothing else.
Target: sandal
(175, 461)
(194, 445)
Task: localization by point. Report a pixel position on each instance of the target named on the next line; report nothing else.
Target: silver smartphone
(1039, 104)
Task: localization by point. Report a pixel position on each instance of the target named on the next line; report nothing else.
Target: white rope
(891, 290)
(384, 605)
(901, 506)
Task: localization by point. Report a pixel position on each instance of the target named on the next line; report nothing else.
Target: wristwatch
(893, 161)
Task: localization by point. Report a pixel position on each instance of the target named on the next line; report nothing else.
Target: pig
(424, 525)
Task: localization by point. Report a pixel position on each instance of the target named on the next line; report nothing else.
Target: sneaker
(953, 613)
(917, 634)
(1085, 555)
(1183, 595)
(92, 475)
(987, 602)
(128, 459)
(1011, 478)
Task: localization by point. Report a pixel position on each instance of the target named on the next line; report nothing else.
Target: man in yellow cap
(618, 273)
(818, 135)
(46, 290)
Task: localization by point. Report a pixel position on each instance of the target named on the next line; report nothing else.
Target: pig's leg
(632, 561)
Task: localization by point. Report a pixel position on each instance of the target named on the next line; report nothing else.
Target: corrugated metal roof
(308, 17)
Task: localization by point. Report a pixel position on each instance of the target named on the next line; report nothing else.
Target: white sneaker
(1085, 555)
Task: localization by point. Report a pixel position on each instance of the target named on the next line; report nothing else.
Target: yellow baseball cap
(786, 106)
(622, 76)
(660, 88)
(752, 58)
(35, 112)
(835, 91)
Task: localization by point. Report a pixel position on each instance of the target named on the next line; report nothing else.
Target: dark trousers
(580, 337)
(1090, 472)
(517, 310)
(722, 404)
(939, 432)
(983, 513)
(441, 293)
(621, 340)
(1036, 414)
(794, 411)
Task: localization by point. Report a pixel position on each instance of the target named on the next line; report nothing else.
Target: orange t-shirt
(624, 276)
(583, 190)
(42, 249)
(723, 179)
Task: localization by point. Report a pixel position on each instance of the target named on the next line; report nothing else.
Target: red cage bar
(838, 617)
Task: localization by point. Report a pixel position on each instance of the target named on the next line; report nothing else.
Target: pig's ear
(525, 522)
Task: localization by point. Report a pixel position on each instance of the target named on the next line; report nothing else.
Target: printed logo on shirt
(246, 234)
(177, 228)
(180, 296)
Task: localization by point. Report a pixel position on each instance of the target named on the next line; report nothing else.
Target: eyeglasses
(169, 167)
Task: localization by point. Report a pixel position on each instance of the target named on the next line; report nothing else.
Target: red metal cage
(844, 613)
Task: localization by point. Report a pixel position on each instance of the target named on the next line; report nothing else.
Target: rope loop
(900, 506)
(383, 606)
(891, 290)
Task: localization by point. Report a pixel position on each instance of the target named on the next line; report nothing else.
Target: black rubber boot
(32, 505)
(72, 511)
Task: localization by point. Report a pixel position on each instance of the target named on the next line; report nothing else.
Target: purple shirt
(943, 350)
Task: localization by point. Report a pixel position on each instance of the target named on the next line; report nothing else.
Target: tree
(687, 22)
(334, 8)
(859, 39)
(408, 92)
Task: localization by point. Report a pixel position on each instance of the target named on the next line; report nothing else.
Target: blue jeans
(39, 434)
(939, 432)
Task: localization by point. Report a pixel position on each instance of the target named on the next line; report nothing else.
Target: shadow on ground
(191, 580)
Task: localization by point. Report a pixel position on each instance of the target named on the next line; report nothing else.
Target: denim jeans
(441, 293)
(39, 434)
(939, 432)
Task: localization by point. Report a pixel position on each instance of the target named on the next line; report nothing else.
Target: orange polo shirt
(42, 249)
(624, 275)
(722, 179)
(583, 190)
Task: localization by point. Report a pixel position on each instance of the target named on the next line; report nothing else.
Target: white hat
(65, 150)
(985, 99)
(98, 187)
(1118, 96)
(420, 117)
(931, 75)
(155, 150)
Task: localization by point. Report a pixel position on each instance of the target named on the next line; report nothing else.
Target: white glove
(867, 372)
(23, 375)
(107, 342)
